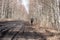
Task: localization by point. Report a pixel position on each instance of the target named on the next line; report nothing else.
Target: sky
(25, 3)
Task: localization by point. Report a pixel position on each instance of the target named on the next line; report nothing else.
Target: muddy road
(21, 30)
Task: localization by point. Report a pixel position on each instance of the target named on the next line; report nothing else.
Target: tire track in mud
(19, 27)
(10, 35)
(24, 31)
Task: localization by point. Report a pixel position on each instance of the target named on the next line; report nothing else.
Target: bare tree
(46, 12)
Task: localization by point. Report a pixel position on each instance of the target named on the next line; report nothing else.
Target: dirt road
(20, 30)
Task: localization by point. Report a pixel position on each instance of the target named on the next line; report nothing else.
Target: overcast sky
(25, 3)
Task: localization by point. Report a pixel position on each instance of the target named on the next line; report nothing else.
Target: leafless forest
(29, 19)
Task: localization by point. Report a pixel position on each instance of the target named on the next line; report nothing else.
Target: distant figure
(32, 19)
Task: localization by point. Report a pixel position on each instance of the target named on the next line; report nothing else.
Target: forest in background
(45, 12)
(29, 19)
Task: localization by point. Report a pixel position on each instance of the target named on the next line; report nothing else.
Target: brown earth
(25, 31)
